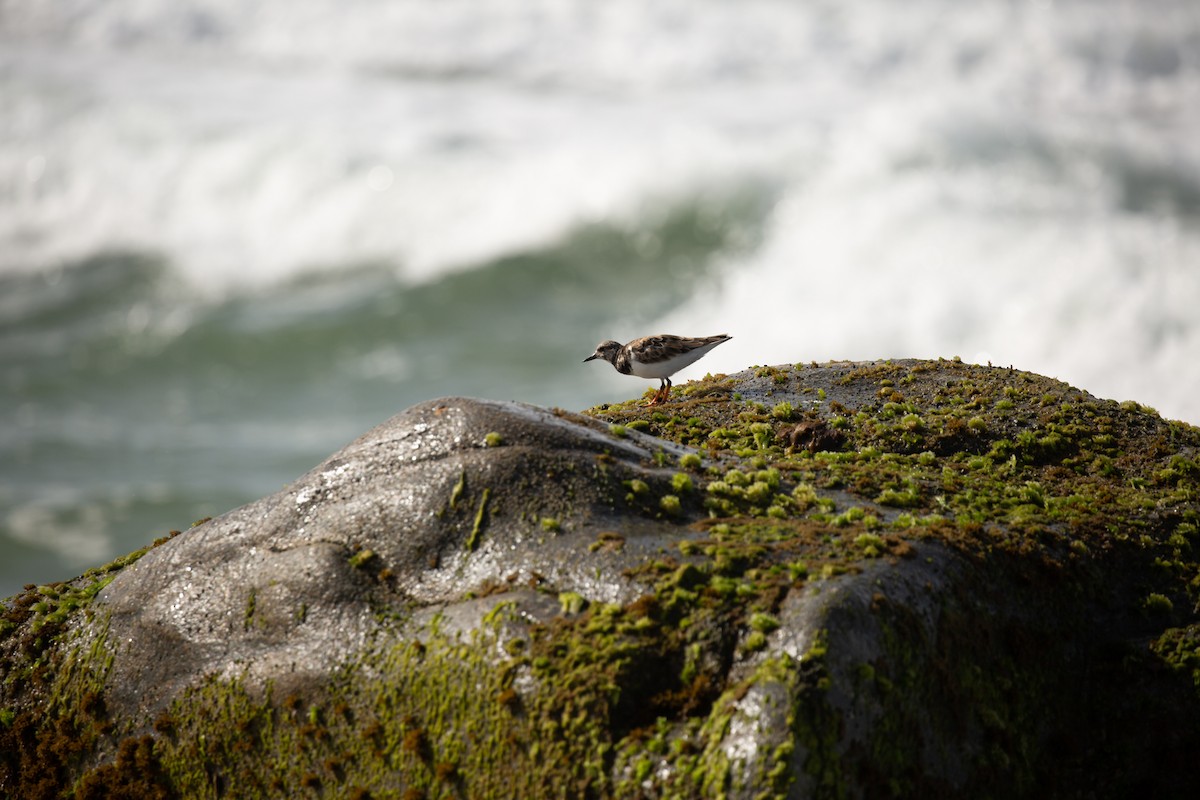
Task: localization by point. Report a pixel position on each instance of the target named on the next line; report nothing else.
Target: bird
(659, 356)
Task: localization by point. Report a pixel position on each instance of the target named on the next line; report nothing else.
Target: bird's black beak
(589, 358)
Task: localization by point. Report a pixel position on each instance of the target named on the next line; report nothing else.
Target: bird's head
(606, 350)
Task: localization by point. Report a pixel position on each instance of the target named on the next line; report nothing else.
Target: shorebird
(658, 356)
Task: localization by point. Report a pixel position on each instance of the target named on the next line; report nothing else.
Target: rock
(420, 511)
(855, 579)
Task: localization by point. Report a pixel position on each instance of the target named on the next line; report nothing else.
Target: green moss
(1009, 471)
(903, 498)
(670, 504)
(480, 521)
(248, 619)
(1156, 603)
(755, 641)
(871, 545)
(572, 602)
(959, 451)
(493, 439)
(457, 492)
(763, 622)
(736, 477)
(1179, 648)
(436, 717)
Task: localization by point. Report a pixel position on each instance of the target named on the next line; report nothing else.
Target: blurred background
(235, 235)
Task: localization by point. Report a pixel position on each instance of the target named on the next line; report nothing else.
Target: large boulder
(855, 579)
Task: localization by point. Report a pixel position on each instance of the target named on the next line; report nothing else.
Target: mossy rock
(912, 578)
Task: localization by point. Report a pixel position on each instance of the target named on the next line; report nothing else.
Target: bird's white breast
(667, 368)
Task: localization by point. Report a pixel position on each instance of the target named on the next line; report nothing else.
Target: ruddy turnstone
(656, 357)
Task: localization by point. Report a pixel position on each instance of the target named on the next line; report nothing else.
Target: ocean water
(234, 236)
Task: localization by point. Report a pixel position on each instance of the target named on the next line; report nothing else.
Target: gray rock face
(419, 511)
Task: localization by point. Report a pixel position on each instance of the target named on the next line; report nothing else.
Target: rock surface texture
(905, 578)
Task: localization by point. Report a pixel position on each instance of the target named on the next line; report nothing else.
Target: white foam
(249, 177)
(957, 178)
(1031, 258)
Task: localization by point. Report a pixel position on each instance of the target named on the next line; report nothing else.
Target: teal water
(132, 408)
(235, 236)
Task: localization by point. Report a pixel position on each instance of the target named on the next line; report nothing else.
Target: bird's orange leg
(664, 393)
(660, 397)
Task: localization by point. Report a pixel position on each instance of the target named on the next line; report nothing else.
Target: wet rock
(420, 511)
(853, 579)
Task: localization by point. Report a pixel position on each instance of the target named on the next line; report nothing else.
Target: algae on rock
(852, 579)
